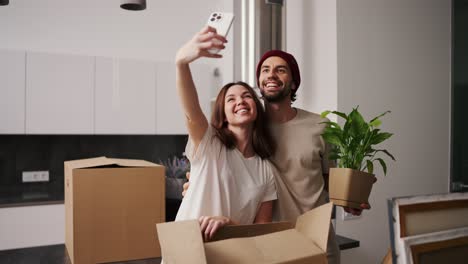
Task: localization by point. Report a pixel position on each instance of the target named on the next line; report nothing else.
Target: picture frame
(408, 220)
(437, 247)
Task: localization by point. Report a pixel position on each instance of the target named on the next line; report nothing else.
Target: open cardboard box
(306, 242)
(111, 206)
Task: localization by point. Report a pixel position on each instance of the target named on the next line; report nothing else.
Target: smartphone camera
(215, 16)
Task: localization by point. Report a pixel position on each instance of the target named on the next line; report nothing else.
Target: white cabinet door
(59, 94)
(12, 89)
(32, 226)
(169, 115)
(125, 96)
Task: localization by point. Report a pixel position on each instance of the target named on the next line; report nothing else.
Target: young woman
(231, 179)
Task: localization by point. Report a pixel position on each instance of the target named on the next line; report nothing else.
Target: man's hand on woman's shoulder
(186, 185)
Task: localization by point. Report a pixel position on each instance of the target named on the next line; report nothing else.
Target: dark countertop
(346, 242)
(34, 195)
(57, 254)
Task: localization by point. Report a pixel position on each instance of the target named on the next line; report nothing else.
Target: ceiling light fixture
(133, 5)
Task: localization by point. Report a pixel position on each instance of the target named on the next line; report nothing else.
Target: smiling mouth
(272, 85)
(242, 111)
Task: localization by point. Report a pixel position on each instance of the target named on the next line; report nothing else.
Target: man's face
(275, 79)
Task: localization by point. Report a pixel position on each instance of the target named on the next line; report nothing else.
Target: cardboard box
(306, 242)
(111, 206)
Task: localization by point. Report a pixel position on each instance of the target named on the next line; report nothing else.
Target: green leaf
(340, 114)
(331, 124)
(380, 137)
(325, 113)
(333, 156)
(377, 117)
(358, 160)
(384, 166)
(336, 131)
(386, 152)
(370, 166)
(331, 138)
(375, 123)
(358, 127)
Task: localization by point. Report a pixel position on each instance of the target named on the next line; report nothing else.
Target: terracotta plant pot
(350, 187)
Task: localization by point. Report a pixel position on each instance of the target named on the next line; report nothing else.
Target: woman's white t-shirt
(224, 183)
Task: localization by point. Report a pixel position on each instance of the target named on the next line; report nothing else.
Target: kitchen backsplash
(20, 153)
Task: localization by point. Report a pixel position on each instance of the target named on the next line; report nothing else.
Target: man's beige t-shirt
(301, 159)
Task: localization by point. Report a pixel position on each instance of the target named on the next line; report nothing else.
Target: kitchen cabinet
(44, 93)
(170, 118)
(125, 96)
(12, 92)
(31, 226)
(59, 94)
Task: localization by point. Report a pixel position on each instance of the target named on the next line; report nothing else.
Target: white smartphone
(222, 22)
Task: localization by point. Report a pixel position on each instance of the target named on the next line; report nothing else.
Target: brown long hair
(262, 139)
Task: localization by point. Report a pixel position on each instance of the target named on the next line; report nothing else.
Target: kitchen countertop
(56, 254)
(39, 195)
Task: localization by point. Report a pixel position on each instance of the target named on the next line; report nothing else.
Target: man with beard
(301, 156)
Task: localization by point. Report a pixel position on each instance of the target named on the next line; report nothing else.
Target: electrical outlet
(35, 176)
(348, 216)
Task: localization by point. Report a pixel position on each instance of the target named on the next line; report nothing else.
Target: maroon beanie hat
(296, 76)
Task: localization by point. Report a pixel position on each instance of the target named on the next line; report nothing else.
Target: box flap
(104, 161)
(134, 163)
(237, 231)
(181, 242)
(289, 246)
(315, 224)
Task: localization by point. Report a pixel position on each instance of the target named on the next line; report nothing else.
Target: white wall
(311, 38)
(391, 55)
(396, 55)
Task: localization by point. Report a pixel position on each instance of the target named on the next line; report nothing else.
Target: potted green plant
(176, 168)
(353, 148)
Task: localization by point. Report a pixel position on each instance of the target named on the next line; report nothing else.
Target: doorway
(459, 148)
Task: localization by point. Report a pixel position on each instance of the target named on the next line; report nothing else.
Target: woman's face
(239, 106)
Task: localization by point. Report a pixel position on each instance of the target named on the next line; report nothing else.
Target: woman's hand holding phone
(199, 46)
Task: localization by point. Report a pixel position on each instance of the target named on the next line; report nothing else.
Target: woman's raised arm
(197, 47)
